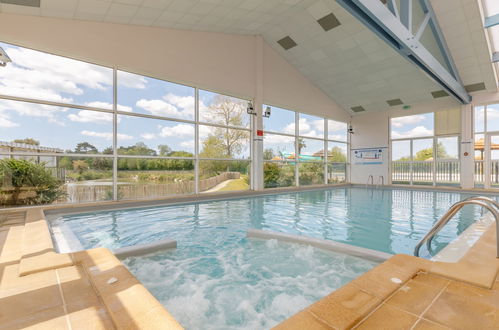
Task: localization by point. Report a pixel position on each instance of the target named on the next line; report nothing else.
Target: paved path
(219, 186)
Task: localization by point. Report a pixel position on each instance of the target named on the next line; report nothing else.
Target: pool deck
(42, 289)
(407, 292)
(92, 289)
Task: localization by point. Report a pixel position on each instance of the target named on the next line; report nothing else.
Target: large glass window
(319, 160)
(41, 76)
(418, 156)
(486, 145)
(82, 139)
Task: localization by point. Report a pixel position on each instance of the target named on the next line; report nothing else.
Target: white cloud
(131, 80)
(148, 136)
(104, 135)
(88, 116)
(277, 139)
(415, 132)
(6, 122)
(45, 76)
(32, 110)
(187, 144)
(177, 130)
(170, 106)
(407, 120)
(335, 126)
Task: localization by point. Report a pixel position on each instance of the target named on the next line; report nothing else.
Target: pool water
(243, 284)
(217, 278)
(387, 220)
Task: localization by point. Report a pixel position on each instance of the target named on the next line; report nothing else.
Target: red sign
(259, 132)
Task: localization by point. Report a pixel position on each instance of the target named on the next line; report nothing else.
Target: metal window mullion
(251, 146)
(196, 141)
(326, 146)
(411, 167)
(434, 163)
(297, 158)
(115, 134)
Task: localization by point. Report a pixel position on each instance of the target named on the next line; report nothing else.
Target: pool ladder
(485, 202)
(381, 181)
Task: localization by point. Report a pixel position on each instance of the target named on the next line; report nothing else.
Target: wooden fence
(91, 193)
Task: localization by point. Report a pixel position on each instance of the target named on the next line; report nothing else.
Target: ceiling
(348, 62)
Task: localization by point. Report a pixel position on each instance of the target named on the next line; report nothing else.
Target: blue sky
(48, 77)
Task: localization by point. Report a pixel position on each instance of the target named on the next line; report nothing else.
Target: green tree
(268, 154)
(337, 155)
(86, 148)
(164, 150)
(139, 148)
(426, 154)
(301, 145)
(27, 141)
(31, 183)
(80, 166)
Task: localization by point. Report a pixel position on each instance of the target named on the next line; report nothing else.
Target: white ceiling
(349, 62)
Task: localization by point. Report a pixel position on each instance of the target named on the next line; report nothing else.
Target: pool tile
(474, 293)
(301, 321)
(387, 317)
(431, 280)
(414, 297)
(423, 324)
(344, 307)
(80, 318)
(48, 319)
(462, 313)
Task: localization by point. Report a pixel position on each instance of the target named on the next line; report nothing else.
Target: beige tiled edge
(408, 292)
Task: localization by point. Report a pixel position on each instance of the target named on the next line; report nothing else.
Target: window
(486, 126)
(305, 158)
(420, 157)
(42, 76)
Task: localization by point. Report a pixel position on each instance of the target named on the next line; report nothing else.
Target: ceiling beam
(379, 19)
(491, 21)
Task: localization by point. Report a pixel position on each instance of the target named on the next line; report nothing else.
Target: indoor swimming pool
(217, 276)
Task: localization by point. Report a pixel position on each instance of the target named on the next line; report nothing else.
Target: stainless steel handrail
(372, 180)
(382, 181)
(482, 201)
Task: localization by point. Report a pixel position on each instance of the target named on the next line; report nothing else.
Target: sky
(49, 77)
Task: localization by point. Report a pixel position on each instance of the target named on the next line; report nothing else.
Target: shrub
(31, 183)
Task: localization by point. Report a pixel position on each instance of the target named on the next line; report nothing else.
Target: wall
(373, 130)
(220, 62)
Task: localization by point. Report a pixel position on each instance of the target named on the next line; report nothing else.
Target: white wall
(220, 62)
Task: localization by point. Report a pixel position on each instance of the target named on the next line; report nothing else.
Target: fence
(421, 172)
(90, 193)
(480, 172)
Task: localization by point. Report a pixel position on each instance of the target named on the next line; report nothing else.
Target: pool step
(141, 249)
(355, 251)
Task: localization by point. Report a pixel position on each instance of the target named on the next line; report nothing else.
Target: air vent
(438, 94)
(475, 87)
(287, 43)
(358, 109)
(383, 2)
(328, 22)
(30, 3)
(394, 102)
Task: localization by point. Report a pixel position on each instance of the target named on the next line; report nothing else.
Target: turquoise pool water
(387, 220)
(219, 279)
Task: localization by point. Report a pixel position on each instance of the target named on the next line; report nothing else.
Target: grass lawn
(236, 184)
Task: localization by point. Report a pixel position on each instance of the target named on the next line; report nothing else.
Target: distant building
(7, 148)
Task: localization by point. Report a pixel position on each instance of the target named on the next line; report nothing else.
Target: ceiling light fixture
(4, 58)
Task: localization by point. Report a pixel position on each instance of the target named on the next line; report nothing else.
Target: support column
(467, 157)
(257, 174)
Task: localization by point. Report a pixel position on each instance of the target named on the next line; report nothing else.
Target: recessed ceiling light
(394, 102)
(438, 94)
(358, 109)
(328, 22)
(30, 3)
(475, 87)
(287, 42)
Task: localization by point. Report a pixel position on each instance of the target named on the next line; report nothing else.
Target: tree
(31, 183)
(27, 141)
(139, 148)
(228, 112)
(268, 154)
(301, 145)
(86, 148)
(80, 166)
(337, 155)
(164, 150)
(427, 154)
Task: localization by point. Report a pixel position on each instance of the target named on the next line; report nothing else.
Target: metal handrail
(382, 181)
(372, 180)
(491, 205)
